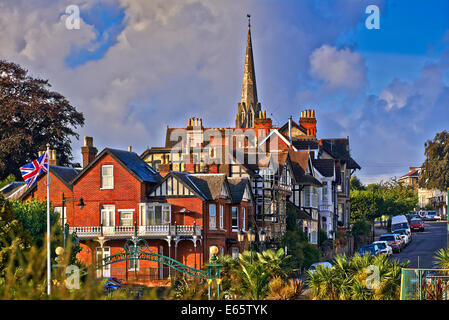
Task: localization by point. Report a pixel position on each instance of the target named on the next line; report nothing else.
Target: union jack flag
(30, 172)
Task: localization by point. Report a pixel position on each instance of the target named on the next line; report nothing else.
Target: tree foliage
(435, 169)
(31, 116)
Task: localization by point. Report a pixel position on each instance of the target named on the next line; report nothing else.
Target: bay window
(155, 214)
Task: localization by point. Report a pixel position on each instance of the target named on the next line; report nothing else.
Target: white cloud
(339, 69)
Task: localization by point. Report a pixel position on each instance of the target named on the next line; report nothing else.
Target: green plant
(279, 289)
(441, 258)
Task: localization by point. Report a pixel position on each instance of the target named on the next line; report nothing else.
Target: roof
(352, 164)
(304, 144)
(141, 170)
(238, 187)
(413, 173)
(65, 174)
(206, 186)
(284, 128)
(299, 161)
(324, 166)
(337, 148)
(14, 189)
(302, 215)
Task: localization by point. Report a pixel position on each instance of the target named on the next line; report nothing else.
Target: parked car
(384, 247)
(134, 291)
(432, 216)
(316, 265)
(412, 216)
(371, 249)
(403, 233)
(393, 240)
(399, 222)
(417, 224)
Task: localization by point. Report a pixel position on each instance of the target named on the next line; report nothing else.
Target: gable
(172, 186)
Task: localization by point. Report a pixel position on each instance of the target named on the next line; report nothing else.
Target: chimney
(129, 148)
(189, 165)
(88, 151)
(52, 158)
(213, 168)
(308, 121)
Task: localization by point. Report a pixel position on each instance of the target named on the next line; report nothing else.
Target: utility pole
(374, 214)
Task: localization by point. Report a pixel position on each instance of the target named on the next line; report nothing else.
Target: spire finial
(249, 20)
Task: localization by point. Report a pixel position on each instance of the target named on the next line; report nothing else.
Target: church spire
(249, 90)
(249, 106)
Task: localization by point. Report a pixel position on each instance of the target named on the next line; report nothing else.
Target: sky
(135, 67)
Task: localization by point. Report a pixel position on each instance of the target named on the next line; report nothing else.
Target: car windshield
(415, 221)
(402, 232)
(381, 245)
(387, 238)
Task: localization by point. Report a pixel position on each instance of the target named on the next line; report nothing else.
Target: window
(155, 214)
(107, 177)
(243, 218)
(126, 218)
(212, 216)
(62, 219)
(221, 217)
(324, 192)
(222, 251)
(235, 218)
(307, 193)
(108, 215)
(235, 253)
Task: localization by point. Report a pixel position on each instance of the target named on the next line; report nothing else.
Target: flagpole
(48, 227)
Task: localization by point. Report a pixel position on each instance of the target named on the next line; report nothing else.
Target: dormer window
(107, 177)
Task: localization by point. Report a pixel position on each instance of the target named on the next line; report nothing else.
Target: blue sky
(137, 66)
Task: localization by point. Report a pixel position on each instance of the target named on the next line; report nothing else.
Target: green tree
(32, 116)
(7, 180)
(435, 169)
(12, 235)
(356, 184)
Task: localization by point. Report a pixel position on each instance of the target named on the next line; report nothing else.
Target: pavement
(424, 245)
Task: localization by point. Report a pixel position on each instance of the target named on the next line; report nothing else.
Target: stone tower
(249, 106)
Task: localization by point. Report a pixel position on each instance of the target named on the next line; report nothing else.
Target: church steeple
(249, 106)
(249, 90)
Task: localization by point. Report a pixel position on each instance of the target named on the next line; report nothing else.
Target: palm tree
(442, 258)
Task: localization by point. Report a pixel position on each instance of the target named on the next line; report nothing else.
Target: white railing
(154, 230)
(86, 231)
(325, 207)
(128, 231)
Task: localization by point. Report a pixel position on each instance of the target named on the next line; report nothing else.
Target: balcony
(149, 231)
(325, 207)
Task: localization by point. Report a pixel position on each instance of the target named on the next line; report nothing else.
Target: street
(423, 246)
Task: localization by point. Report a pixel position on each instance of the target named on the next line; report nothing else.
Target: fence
(424, 284)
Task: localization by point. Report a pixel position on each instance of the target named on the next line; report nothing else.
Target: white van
(399, 222)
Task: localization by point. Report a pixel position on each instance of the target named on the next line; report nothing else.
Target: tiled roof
(65, 174)
(302, 215)
(324, 166)
(413, 173)
(14, 190)
(210, 184)
(352, 164)
(237, 186)
(305, 144)
(134, 163)
(337, 148)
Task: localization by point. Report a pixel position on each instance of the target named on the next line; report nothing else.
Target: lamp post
(262, 237)
(64, 200)
(251, 237)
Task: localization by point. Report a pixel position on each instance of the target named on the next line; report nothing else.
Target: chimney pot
(88, 151)
(129, 148)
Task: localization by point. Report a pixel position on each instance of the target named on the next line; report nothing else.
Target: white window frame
(148, 214)
(243, 218)
(121, 213)
(110, 210)
(233, 227)
(221, 216)
(212, 218)
(103, 187)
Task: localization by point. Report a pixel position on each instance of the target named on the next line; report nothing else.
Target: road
(424, 245)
